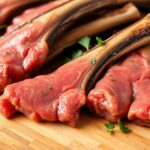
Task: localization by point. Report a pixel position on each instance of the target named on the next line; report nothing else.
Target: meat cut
(139, 110)
(29, 47)
(113, 94)
(110, 98)
(9, 7)
(103, 22)
(52, 97)
(31, 13)
(60, 95)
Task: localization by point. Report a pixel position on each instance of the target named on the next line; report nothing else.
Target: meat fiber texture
(139, 110)
(19, 56)
(59, 96)
(24, 50)
(113, 94)
(54, 97)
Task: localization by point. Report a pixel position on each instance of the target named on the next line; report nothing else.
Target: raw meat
(31, 13)
(61, 94)
(139, 111)
(26, 49)
(111, 97)
(52, 97)
(9, 7)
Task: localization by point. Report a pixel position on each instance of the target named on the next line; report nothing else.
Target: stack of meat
(40, 33)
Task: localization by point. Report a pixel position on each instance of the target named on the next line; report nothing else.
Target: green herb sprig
(119, 127)
(110, 126)
(122, 127)
(85, 42)
(100, 42)
(74, 55)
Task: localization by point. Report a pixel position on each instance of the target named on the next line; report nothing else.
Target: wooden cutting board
(20, 133)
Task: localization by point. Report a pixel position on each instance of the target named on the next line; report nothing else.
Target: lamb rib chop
(61, 94)
(26, 49)
(139, 111)
(114, 18)
(9, 7)
(112, 95)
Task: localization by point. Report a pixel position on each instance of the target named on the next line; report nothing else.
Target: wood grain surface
(20, 133)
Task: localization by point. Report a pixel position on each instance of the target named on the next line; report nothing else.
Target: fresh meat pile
(124, 83)
(39, 34)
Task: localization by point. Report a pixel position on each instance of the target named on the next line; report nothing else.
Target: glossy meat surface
(19, 54)
(54, 97)
(32, 42)
(24, 50)
(140, 108)
(113, 94)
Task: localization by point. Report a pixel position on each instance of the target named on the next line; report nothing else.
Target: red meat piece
(54, 97)
(140, 109)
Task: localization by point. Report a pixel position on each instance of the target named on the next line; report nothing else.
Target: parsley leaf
(100, 42)
(85, 42)
(77, 54)
(122, 127)
(74, 55)
(110, 126)
(119, 127)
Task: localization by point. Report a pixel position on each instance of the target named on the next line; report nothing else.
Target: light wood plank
(21, 133)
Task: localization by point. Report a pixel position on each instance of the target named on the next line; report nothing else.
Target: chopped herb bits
(92, 61)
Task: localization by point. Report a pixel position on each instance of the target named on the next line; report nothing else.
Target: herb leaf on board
(122, 127)
(110, 126)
